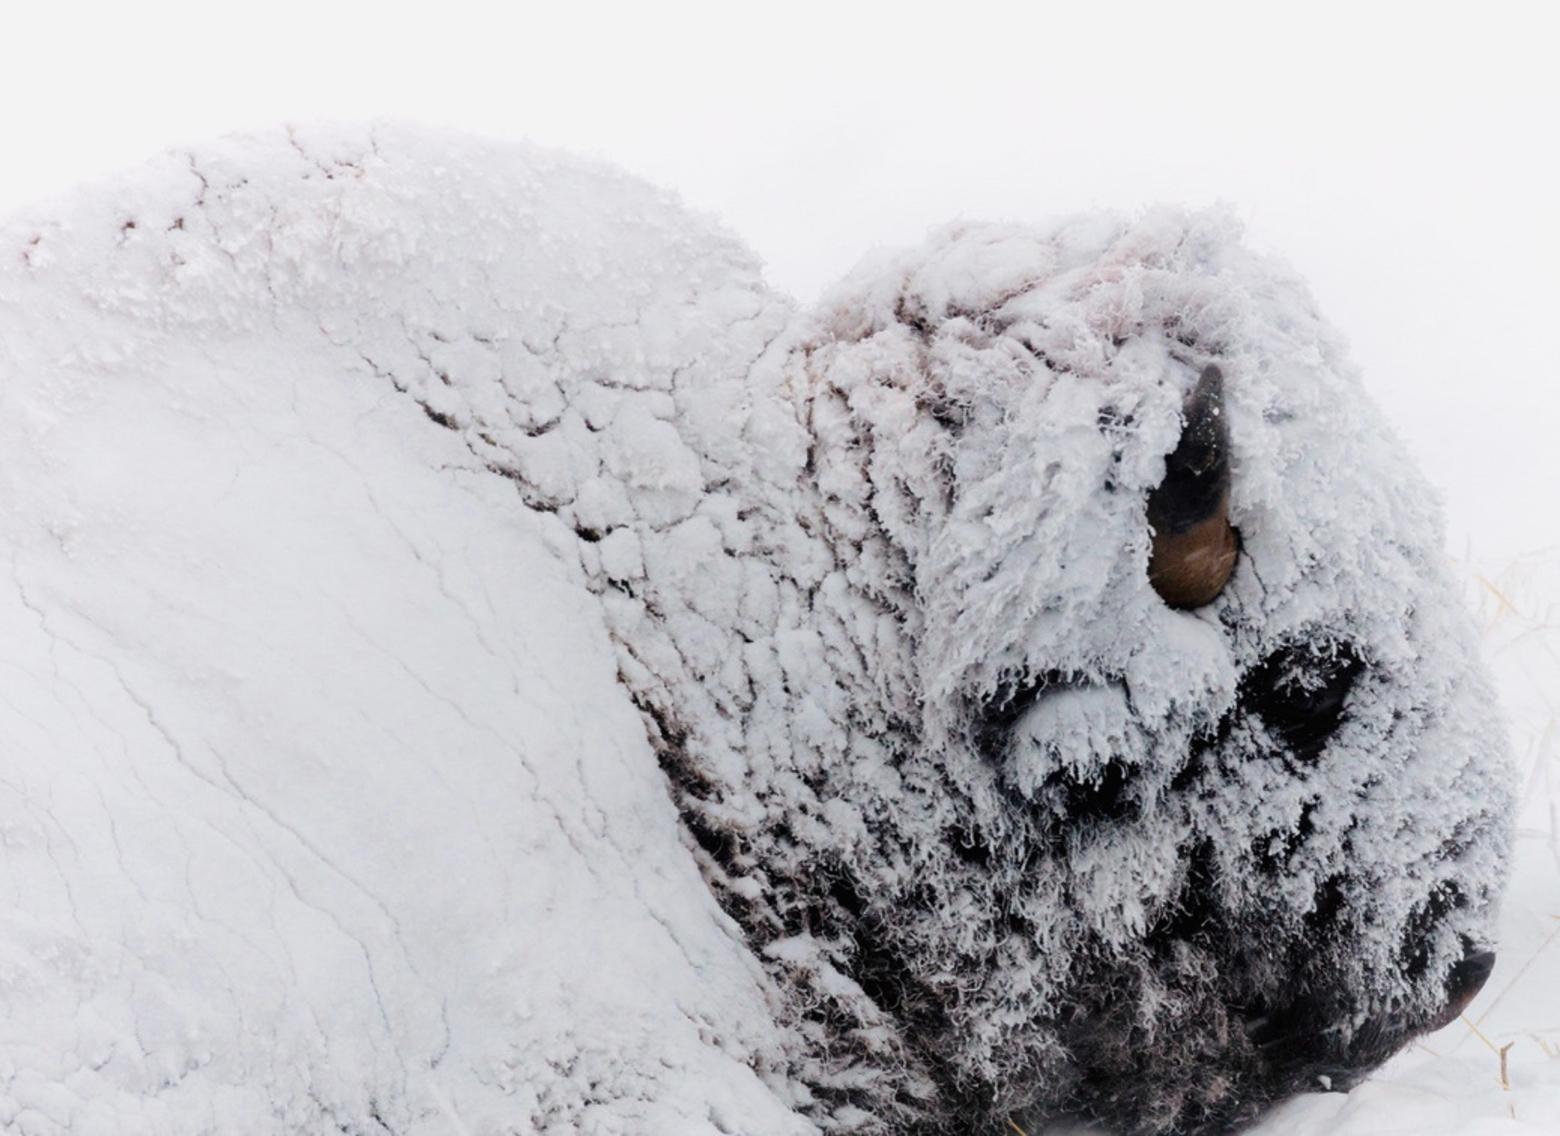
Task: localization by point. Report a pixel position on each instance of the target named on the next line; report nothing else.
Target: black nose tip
(1466, 980)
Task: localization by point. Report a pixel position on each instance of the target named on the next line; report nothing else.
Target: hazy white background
(1403, 155)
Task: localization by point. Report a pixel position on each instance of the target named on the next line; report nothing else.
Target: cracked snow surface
(475, 659)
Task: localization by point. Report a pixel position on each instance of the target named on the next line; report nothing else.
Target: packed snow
(480, 660)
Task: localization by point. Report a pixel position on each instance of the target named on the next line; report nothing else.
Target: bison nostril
(1465, 981)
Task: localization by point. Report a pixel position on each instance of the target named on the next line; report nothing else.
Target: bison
(480, 659)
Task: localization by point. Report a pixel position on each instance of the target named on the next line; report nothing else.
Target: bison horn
(1195, 546)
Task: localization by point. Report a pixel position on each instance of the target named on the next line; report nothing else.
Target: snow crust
(477, 659)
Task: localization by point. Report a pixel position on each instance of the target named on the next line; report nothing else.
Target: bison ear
(1195, 547)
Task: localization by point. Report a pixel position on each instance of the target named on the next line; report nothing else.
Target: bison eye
(1299, 692)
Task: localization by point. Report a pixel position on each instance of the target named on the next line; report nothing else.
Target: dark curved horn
(1195, 546)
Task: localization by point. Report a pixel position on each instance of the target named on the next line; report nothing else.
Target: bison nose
(1465, 981)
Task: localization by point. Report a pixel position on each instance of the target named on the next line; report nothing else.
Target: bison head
(1174, 786)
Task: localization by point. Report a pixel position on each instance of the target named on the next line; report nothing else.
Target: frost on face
(554, 678)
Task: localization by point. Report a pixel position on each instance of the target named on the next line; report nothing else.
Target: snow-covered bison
(474, 658)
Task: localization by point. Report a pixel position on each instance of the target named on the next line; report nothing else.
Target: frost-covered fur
(1008, 836)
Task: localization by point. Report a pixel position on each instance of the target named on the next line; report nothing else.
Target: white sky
(1404, 156)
